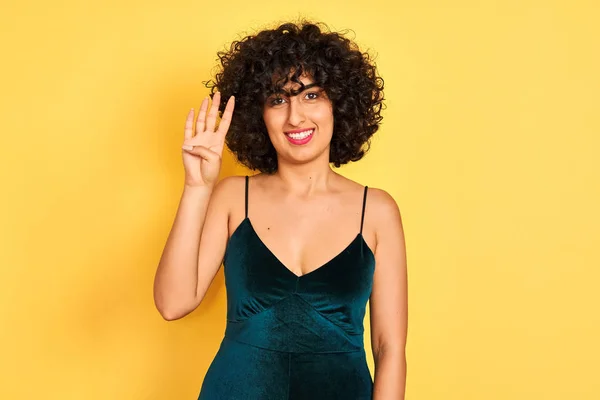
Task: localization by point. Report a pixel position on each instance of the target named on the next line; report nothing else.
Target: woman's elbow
(172, 312)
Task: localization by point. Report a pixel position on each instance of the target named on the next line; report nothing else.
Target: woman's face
(299, 126)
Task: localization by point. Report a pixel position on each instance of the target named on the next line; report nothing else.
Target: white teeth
(300, 135)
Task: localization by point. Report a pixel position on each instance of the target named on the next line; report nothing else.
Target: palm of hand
(202, 152)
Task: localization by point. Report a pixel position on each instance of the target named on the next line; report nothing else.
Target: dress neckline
(358, 239)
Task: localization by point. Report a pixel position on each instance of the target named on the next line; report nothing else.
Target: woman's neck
(304, 179)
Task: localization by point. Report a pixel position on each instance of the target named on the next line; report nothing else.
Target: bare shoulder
(229, 184)
(383, 213)
(228, 189)
(381, 203)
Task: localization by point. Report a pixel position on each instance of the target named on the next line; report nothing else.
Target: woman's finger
(227, 114)
(212, 113)
(188, 132)
(202, 116)
(203, 152)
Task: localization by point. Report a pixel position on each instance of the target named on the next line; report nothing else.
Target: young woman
(303, 247)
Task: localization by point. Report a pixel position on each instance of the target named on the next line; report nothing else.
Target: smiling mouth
(302, 135)
(299, 137)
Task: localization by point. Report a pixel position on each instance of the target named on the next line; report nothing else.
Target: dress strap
(246, 197)
(362, 217)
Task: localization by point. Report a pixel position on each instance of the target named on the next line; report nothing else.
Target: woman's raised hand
(202, 151)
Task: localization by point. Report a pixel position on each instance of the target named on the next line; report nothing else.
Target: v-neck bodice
(256, 281)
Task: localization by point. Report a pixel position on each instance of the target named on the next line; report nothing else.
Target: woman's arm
(197, 241)
(389, 299)
(194, 250)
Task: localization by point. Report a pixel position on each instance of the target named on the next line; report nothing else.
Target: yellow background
(490, 145)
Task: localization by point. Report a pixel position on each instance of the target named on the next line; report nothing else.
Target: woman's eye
(312, 95)
(277, 101)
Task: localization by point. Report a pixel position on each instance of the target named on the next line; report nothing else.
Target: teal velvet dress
(292, 337)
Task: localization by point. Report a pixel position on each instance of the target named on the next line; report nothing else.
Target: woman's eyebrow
(289, 93)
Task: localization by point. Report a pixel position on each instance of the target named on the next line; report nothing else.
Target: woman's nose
(296, 113)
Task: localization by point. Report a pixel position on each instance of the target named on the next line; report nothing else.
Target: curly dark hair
(259, 65)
